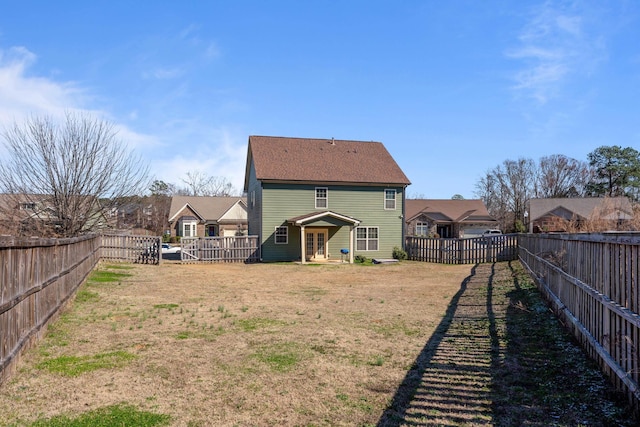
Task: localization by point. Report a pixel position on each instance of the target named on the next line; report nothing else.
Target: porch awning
(319, 216)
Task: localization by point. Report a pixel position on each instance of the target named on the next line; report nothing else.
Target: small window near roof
(322, 198)
(390, 199)
(281, 235)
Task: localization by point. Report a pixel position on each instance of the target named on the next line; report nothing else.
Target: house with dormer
(448, 218)
(323, 199)
(206, 216)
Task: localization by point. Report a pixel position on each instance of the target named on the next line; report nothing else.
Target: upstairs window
(322, 198)
(390, 199)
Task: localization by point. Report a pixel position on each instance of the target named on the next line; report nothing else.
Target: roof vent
(333, 141)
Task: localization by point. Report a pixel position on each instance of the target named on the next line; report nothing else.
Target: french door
(316, 244)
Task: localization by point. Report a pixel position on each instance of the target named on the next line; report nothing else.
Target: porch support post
(351, 244)
(303, 245)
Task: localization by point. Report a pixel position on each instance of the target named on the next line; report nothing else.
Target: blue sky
(452, 88)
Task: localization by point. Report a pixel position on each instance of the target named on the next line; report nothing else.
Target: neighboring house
(204, 216)
(313, 199)
(564, 214)
(447, 218)
(35, 215)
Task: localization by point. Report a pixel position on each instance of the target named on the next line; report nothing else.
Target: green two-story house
(323, 199)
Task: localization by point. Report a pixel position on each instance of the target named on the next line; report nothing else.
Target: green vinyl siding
(280, 202)
(254, 203)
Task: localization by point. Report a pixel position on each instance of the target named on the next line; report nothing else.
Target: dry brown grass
(292, 345)
(243, 344)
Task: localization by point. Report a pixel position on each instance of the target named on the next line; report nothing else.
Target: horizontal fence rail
(129, 248)
(38, 277)
(592, 283)
(220, 249)
(503, 247)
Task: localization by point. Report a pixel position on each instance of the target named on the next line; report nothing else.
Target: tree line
(610, 171)
(66, 177)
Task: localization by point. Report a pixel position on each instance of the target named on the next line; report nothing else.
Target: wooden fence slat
(593, 283)
(39, 276)
(220, 249)
(463, 251)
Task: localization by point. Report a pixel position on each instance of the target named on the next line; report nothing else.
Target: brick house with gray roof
(555, 214)
(206, 216)
(447, 218)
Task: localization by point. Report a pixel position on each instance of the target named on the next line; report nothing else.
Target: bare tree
(70, 172)
(561, 176)
(201, 184)
(505, 191)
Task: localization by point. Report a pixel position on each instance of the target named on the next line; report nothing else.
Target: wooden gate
(129, 248)
(220, 249)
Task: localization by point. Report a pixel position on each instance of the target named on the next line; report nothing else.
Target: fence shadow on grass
(499, 357)
(444, 385)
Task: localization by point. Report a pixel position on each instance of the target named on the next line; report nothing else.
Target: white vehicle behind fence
(492, 232)
(168, 249)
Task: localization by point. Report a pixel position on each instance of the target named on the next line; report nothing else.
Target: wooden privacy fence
(503, 247)
(220, 249)
(127, 248)
(38, 277)
(592, 283)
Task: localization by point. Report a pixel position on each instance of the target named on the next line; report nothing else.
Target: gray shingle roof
(581, 206)
(448, 209)
(209, 208)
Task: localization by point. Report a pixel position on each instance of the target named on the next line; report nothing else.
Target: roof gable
(322, 160)
(205, 207)
(448, 210)
(564, 213)
(583, 207)
(315, 216)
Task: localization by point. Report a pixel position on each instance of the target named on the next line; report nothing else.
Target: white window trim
(193, 227)
(326, 198)
(395, 195)
(422, 224)
(367, 239)
(276, 235)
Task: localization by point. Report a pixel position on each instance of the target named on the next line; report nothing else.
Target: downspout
(404, 238)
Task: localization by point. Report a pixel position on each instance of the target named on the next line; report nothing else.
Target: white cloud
(23, 95)
(212, 51)
(222, 153)
(164, 73)
(557, 44)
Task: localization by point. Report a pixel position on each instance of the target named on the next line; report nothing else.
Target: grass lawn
(307, 345)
